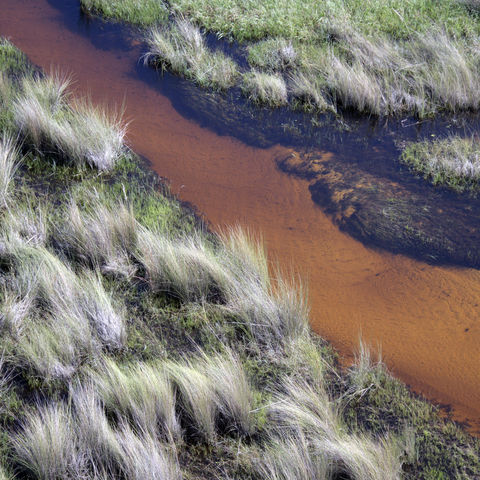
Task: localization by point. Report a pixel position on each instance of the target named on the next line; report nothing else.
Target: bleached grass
(25, 225)
(54, 349)
(79, 131)
(197, 398)
(97, 305)
(309, 409)
(102, 236)
(265, 88)
(234, 394)
(96, 437)
(272, 55)
(430, 72)
(73, 319)
(4, 474)
(14, 309)
(144, 458)
(9, 161)
(453, 162)
(47, 445)
(291, 458)
(308, 91)
(187, 267)
(56, 442)
(142, 393)
(181, 47)
(365, 371)
(233, 274)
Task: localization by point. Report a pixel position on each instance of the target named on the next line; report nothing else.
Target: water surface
(424, 317)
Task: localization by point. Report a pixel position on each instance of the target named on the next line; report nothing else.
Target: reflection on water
(423, 316)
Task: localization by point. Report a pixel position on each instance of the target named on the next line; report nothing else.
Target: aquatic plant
(452, 162)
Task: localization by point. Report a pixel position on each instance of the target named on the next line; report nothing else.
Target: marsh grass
(103, 237)
(181, 47)
(265, 88)
(144, 458)
(139, 345)
(186, 267)
(13, 61)
(47, 445)
(381, 58)
(144, 13)
(80, 132)
(235, 399)
(26, 225)
(9, 161)
(143, 393)
(452, 162)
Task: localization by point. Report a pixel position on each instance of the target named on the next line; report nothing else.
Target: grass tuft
(8, 165)
(264, 88)
(181, 47)
(80, 132)
(452, 162)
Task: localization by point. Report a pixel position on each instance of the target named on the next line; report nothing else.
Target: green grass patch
(452, 162)
(145, 12)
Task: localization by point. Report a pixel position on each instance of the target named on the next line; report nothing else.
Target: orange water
(424, 318)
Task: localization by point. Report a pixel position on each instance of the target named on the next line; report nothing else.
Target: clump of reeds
(76, 129)
(8, 165)
(102, 236)
(452, 162)
(265, 88)
(181, 47)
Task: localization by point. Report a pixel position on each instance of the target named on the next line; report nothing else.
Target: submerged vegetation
(138, 345)
(452, 162)
(382, 58)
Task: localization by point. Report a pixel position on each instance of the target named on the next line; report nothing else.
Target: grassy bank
(381, 58)
(452, 162)
(136, 344)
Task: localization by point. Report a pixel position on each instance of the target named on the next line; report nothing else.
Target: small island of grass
(451, 162)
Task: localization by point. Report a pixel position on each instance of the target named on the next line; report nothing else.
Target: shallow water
(423, 317)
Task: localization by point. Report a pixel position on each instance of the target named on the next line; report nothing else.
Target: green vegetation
(145, 12)
(181, 48)
(77, 130)
(138, 345)
(452, 162)
(382, 58)
(265, 88)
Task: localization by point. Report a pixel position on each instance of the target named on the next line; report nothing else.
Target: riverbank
(414, 58)
(425, 223)
(133, 319)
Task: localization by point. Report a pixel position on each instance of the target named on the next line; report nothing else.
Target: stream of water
(424, 318)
